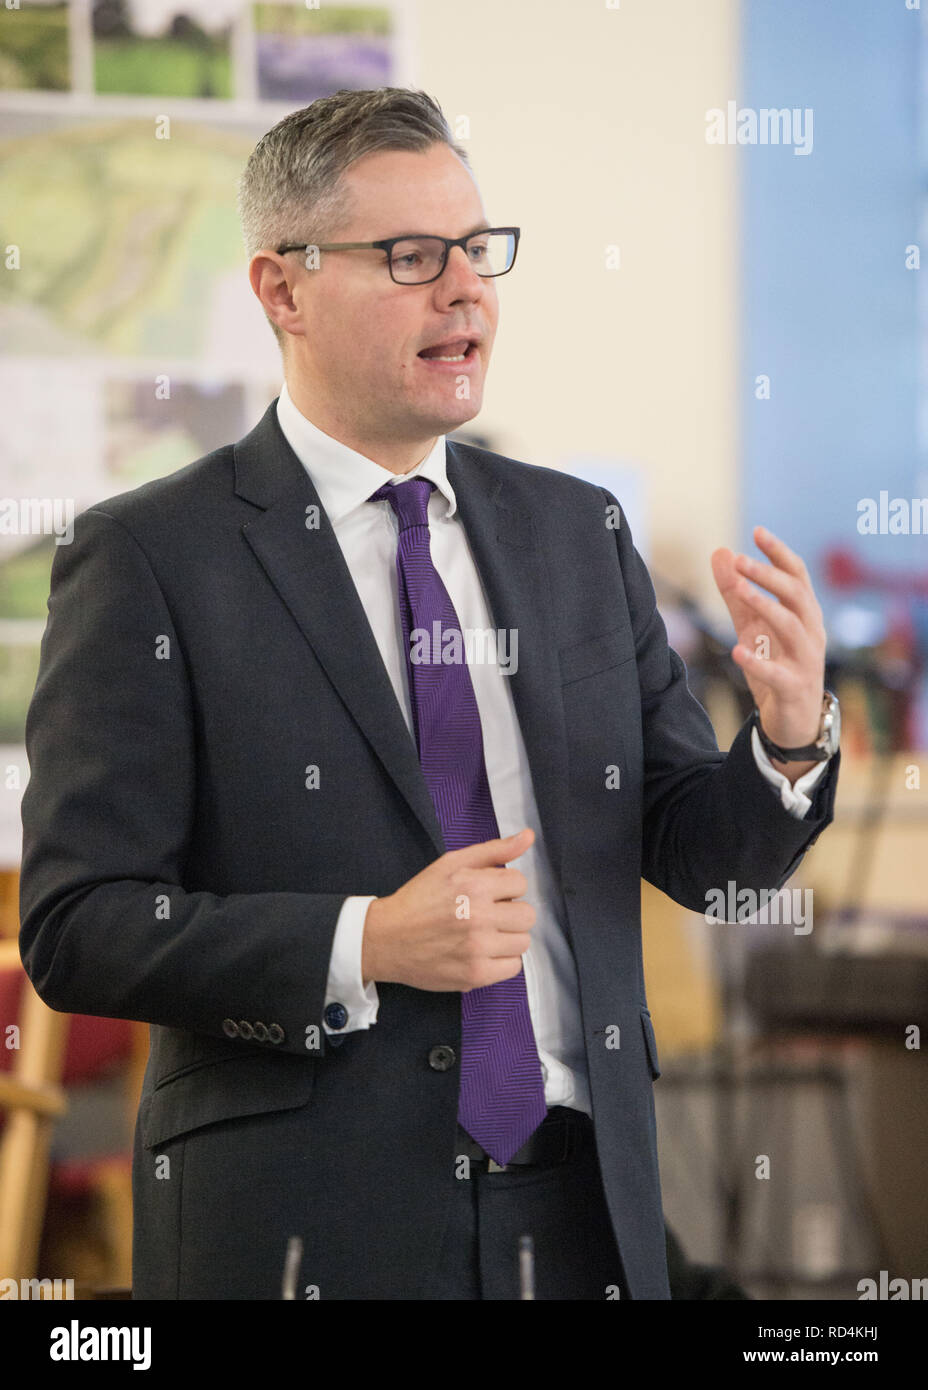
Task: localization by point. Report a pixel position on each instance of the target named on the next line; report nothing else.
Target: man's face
(359, 359)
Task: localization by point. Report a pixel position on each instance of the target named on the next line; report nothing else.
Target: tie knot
(410, 501)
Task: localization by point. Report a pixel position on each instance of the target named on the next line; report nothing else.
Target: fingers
(492, 884)
(779, 620)
(780, 553)
(792, 592)
(512, 917)
(787, 578)
(792, 615)
(502, 968)
(494, 852)
(477, 874)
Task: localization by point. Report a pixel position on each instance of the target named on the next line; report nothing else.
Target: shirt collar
(344, 478)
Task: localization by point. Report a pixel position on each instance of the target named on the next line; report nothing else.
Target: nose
(459, 276)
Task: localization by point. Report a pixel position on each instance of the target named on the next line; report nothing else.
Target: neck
(397, 455)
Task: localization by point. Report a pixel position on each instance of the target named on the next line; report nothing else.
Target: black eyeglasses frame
(387, 244)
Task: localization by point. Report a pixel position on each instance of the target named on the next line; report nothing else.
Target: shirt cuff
(795, 798)
(345, 984)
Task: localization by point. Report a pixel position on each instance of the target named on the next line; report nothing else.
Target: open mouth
(452, 354)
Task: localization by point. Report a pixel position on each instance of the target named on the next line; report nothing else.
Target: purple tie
(502, 1099)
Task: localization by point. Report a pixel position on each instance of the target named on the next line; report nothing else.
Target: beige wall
(593, 119)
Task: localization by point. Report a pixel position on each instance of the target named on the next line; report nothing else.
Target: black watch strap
(818, 752)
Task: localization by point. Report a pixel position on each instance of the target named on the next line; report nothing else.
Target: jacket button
(336, 1015)
(275, 1033)
(230, 1027)
(442, 1057)
(245, 1029)
(260, 1032)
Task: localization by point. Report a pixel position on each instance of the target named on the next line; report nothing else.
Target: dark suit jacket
(205, 647)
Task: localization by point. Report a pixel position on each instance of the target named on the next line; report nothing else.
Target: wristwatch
(824, 746)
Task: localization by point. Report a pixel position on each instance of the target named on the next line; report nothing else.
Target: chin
(462, 412)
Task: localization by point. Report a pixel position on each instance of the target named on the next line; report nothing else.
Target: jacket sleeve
(707, 817)
(106, 927)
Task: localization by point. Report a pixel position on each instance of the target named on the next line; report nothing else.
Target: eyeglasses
(418, 260)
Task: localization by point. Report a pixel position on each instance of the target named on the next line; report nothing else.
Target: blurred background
(734, 332)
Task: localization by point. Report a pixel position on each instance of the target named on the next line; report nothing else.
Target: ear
(272, 279)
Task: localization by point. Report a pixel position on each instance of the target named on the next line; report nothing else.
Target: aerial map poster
(124, 125)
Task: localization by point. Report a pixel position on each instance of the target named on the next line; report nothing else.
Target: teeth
(460, 357)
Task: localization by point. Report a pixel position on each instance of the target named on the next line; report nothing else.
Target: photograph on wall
(34, 48)
(305, 53)
(161, 48)
(153, 255)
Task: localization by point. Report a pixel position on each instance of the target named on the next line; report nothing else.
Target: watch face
(833, 725)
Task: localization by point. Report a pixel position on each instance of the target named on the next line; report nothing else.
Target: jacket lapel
(308, 570)
(515, 579)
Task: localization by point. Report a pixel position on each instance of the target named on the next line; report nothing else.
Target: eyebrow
(482, 227)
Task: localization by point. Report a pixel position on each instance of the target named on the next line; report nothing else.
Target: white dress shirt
(367, 534)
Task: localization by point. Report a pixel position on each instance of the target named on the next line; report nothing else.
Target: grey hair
(290, 189)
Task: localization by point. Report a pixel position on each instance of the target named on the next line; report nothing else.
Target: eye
(408, 258)
(479, 251)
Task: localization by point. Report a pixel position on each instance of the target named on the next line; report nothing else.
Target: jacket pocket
(223, 1089)
(650, 1043)
(595, 654)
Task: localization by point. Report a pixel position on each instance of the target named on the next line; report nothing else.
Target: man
(377, 896)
